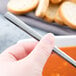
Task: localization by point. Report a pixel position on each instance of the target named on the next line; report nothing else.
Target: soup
(57, 66)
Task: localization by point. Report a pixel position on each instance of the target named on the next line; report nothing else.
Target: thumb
(43, 50)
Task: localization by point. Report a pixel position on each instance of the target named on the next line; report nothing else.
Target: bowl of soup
(56, 65)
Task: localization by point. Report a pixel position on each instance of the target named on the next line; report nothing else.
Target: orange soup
(57, 66)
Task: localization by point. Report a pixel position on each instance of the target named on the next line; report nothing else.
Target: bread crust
(65, 20)
(73, 1)
(56, 1)
(48, 19)
(22, 11)
(58, 19)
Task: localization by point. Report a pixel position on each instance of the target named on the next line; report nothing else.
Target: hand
(26, 58)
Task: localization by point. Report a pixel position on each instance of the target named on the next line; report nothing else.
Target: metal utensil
(36, 35)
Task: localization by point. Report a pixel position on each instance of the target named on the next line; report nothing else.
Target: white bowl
(65, 41)
(60, 41)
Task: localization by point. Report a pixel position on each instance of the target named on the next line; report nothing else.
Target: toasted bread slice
(68, 14)
(42, 7)
(65, 0)
(58, 19)
(56, 1)
(22, 6)
(51, 12)
(73, 1)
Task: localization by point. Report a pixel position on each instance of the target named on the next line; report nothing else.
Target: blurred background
(10, 34)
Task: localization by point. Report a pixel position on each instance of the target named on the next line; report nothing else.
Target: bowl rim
(65, 41)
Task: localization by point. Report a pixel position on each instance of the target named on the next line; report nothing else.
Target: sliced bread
(56, 1)
(51, 12)
(73, 1)
(58, 18)
(42, 7)
(22, 6)
(68, 14)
